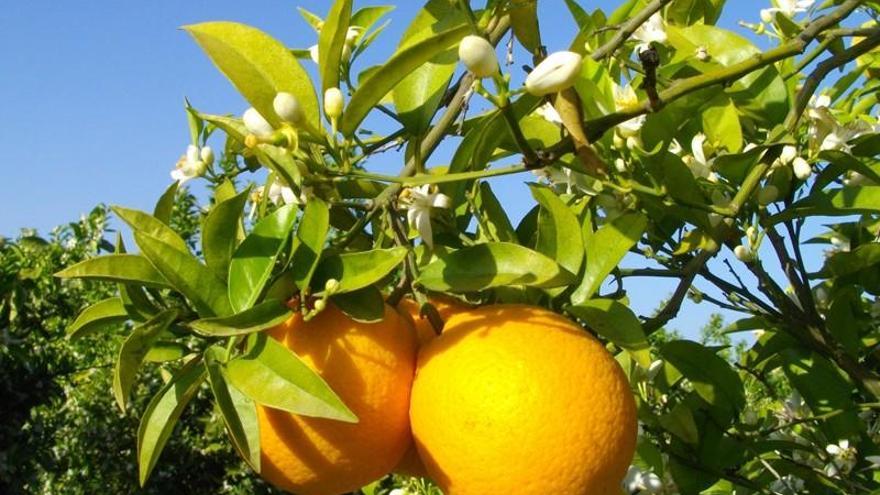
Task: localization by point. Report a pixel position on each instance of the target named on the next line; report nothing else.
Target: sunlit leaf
(605, 249)
(308, 244)
(357, 270)
(617, 323)
(133, 351)
(220, 233)
(267, 314)
(238, 411)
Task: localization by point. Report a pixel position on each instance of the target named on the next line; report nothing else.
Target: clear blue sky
(92, 97)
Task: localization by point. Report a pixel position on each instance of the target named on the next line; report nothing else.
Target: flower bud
(320, 304)
(333, 103)
(207, 156)
(620, 165)
(767, 195)
(192, 154)
(767, 15)
(288, 108)
(256, 124)
(331, 285)
(702, 54)
(478, 55)
(742, 253)
(802, 168)
(788, 154)
(351, 36)
(313, 54)
(555, 73)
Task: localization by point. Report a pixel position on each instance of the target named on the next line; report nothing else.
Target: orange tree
(658, 136)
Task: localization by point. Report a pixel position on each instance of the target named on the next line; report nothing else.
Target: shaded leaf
(559, 232)
(162, 414)
(617, 323)
(132, 353)
(103, 313)
(311, 234)
(365, 305)
(711, 376)
(492, 265)
(267, 314)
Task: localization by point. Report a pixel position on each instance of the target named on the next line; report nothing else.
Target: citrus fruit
(411, 464)
(517, 399)
(370, 367)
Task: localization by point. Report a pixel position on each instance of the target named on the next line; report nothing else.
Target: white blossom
(548, 112)
(625, 97)
(700, 166)
(419, 201)
(478, 55)
(652, 31)
(742, 253)
(256, 124)
(789, 8)
(288, 108)
(843, 458)
(334, 103)
(555, 73)
(192, 164)
(802, 168)
(641, 482)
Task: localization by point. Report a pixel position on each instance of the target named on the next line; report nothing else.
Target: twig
(626, 30)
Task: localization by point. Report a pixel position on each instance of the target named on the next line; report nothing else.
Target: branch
(811, 84)
(627, 29)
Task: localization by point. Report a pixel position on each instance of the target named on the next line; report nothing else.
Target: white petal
(423, 225)
(441, 201)
(178, 175)
(555, 73)
(788, 154)
(288, 196)
(313, 53)
(833, 449)
(697, 147)
(255, 123)
(192, 153)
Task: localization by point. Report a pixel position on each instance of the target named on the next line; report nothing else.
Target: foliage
(61, 431)
(663, 139)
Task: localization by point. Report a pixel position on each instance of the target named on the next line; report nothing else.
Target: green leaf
(187, 275)
(313, 20)
(680, 422)
(220, 233)
(524, 21)
(165, 205)
(231, 126)
(133, 352)
(493, 221)
(279, 160)
(721, 124)
(367, 17)
(272, 375)
(844, 263)
(258, 65)
(383, 80)
(418, 95)
(117, 268)
(490, 265)
(559, 232)
(103, 313)
(311, 234)
(836, 202)
(133, 296)
(825, 391)
(238, 411)
(162, 414)
(265, 315)
(357, 270)
(331, 41)
(365, 305)
(617, 323)
(711, 376)
(163, 352)
(605, 250)
(151, 226)
(253, 261)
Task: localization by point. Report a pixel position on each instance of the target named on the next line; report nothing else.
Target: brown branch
(626, 30)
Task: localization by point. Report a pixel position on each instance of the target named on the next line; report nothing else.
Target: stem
(627, 29)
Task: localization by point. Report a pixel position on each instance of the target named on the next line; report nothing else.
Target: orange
(517, 399)
(370, 367)
(411, 465)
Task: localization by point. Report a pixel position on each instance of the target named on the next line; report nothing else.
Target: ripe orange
(517, 399)
(411, 464)
(370, 367)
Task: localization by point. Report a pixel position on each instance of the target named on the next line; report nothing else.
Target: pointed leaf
(357, 270)
(162, 414)
(133, 351)
(164, 352)
(559, 232)
(493, 219)
(165, 205)
(187, 275)
(331, 42)
(365, 305)
(144, 222)
(711, 376)
(103, 313)
(383, 80)
(418, 95)
(311, 234)
(258, 65)
(267, 314)
(493, 264)
(117, 268)
(238, 411)
(272, 375)
(605, 250)
(617, 323)
(836, 202)
(220, 233)
(254, 259)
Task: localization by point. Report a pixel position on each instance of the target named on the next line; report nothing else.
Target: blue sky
(92, 97)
